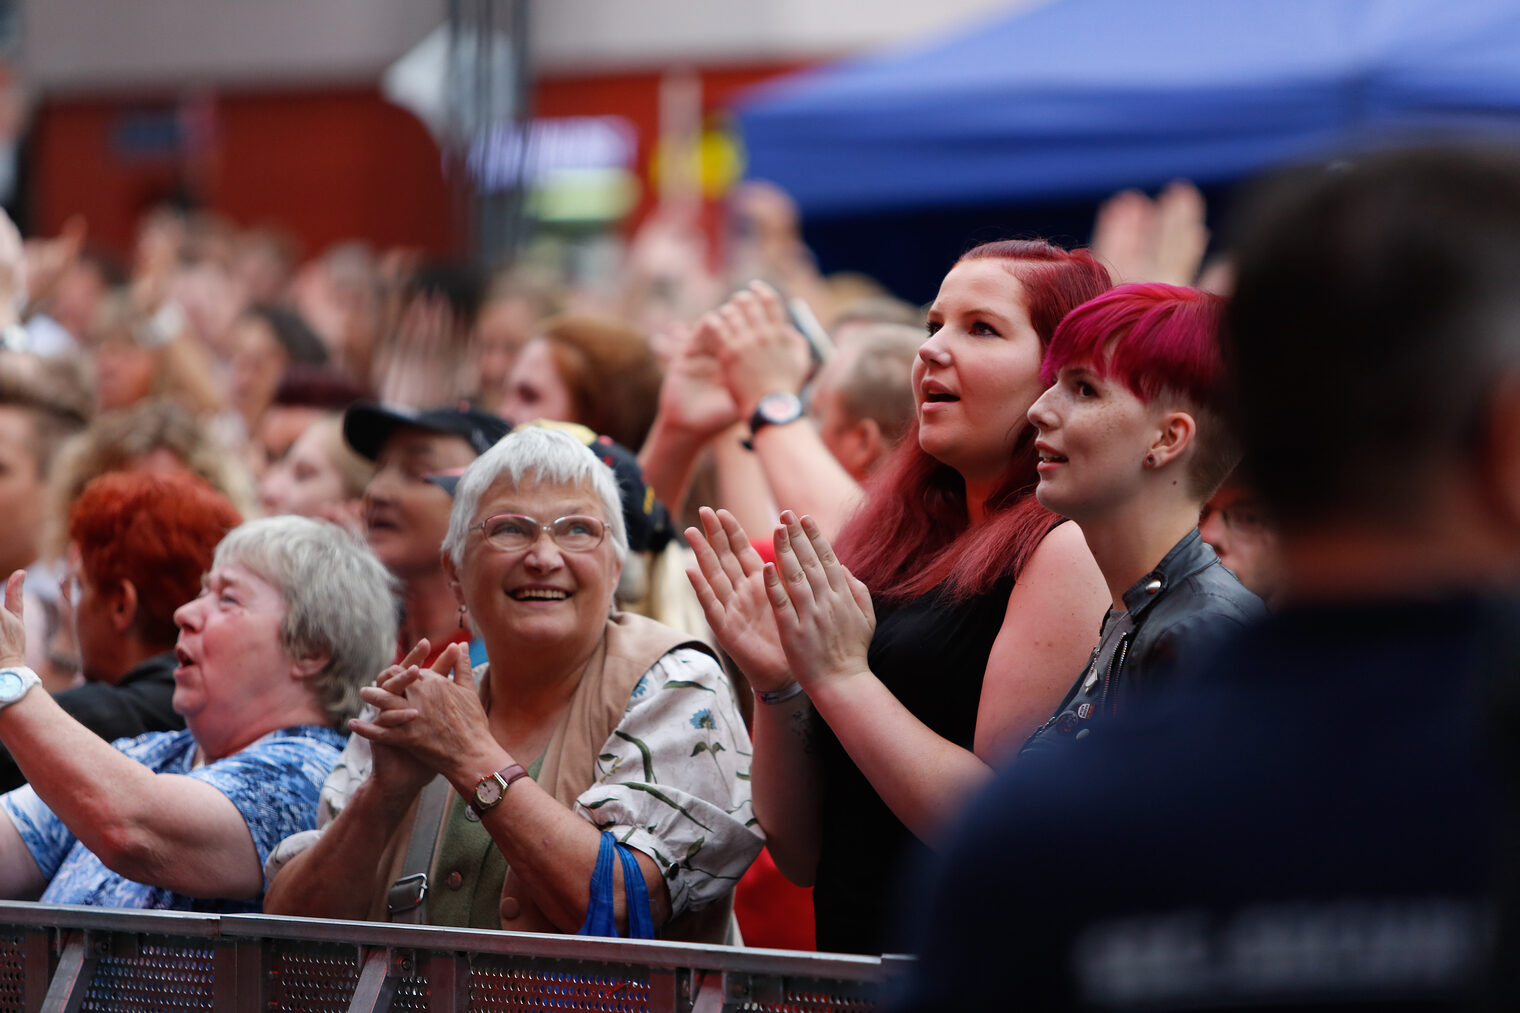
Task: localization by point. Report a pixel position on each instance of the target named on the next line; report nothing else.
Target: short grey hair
(339, 600)
(548, 455)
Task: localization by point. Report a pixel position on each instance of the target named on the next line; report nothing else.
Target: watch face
(11, 685)
(779, 408)
(488, 792)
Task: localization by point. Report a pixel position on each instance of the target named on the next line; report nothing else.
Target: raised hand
(824, 615)
(694, 396)
(47, 259)
(730, 585)
(1182, 236)
(760, 350)
(423, 363)
(13, 283)
(1152, 240)
(12, 627)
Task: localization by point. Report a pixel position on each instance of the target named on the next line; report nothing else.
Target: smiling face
(1092, 435)
(978, 372)
(405, 515)
(232, 667)
(543, 595)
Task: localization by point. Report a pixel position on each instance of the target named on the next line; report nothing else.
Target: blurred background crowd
(229, 224)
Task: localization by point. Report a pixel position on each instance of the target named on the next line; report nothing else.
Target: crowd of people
(1110, 632)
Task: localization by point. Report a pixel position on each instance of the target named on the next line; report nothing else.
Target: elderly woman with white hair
(588, 735)
(293, 617)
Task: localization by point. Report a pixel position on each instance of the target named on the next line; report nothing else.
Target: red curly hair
(158, 531)
(914, 532)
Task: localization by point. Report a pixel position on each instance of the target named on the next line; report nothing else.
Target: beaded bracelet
(781, 695)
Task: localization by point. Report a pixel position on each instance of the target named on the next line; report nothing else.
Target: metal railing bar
(39, 961)
(76, 967)
(698, 956)
(170, 923)
(448, 977)
(677, 974)
(381, 971)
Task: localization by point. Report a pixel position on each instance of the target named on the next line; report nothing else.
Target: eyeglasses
(1243, 517)
(515, 532)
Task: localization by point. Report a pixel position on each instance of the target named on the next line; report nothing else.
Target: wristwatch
(775, 409)
(14, 682)
(491, 789)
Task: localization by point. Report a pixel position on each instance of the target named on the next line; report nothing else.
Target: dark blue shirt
(1310, 825)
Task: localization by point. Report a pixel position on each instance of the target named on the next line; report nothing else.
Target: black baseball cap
(368, 424)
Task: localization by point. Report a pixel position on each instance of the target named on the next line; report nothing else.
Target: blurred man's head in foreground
(1375, 333)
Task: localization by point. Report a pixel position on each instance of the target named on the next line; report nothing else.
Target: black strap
(404, 900)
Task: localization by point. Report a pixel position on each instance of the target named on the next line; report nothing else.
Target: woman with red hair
(1133, 441)
(874, 732)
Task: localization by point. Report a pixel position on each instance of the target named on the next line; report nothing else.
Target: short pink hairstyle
(1161, 342)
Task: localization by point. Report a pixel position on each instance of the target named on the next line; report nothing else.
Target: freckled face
(1092, 436)
(979, 370)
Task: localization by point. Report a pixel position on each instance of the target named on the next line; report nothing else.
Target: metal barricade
(63, 959)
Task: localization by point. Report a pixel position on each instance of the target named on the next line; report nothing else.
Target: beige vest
(630, 647)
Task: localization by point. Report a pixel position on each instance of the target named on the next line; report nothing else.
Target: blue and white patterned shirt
(274, 783)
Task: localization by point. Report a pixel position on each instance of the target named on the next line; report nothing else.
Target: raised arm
(165, 829)
(825, 622)
(763, 354)
(694, 408)
(784, 777)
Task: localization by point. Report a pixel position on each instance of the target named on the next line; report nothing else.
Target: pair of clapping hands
(732, 357)
(427, 718)
(804, 617)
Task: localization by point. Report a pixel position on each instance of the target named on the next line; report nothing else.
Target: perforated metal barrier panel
(69, 959)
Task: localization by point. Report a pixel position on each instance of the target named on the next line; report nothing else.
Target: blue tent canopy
(1079, 98)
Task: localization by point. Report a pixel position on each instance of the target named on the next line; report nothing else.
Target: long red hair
(914, 532)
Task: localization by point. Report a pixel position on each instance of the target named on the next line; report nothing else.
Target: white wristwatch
(14, 683)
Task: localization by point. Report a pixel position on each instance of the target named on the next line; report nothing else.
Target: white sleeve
(673, 780)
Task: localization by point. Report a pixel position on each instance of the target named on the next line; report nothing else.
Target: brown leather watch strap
(506, 776)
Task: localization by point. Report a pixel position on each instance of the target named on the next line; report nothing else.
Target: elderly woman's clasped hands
(432, 714)
(804, 617)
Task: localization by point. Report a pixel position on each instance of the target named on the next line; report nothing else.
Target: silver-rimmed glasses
(515, 532)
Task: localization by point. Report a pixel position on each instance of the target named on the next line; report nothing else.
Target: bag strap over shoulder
(404, 902)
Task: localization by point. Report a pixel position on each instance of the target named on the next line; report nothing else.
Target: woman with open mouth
(291, 617)
(877, 721)
(1132, 442)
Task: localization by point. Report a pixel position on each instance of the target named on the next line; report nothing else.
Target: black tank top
(932, 656)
